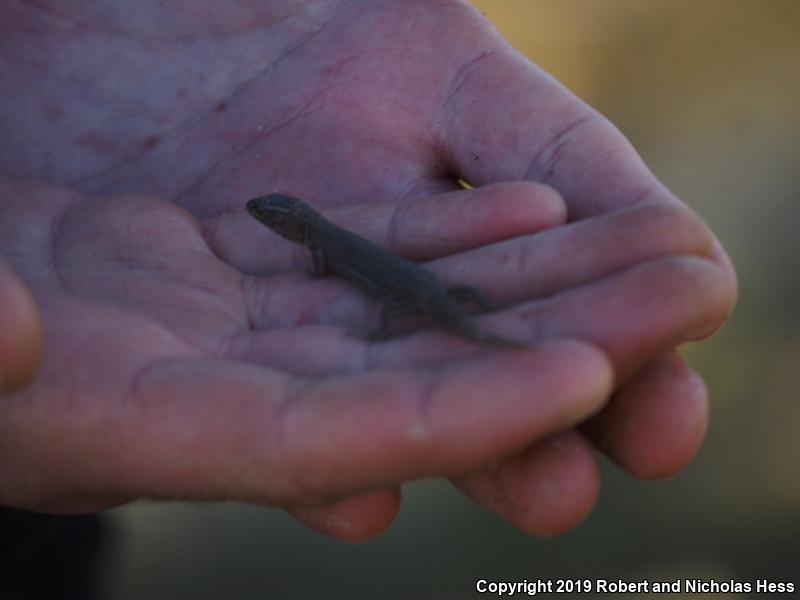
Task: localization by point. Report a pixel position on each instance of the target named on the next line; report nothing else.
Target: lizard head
(283, 214)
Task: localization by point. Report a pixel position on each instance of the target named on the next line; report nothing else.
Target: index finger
(419, 229)
(210, 429)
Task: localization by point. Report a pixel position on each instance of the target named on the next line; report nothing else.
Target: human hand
(350, 106)
(169, 373)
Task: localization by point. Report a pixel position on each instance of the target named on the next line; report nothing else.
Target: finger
(211, 429)
(675, 299)
(655, 424)
(354, 519)
(421, 228)
(20, 331)
(652, 428)
(633, 316)
(547, 490)
(576, 253)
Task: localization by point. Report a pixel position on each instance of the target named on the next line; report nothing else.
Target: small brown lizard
(401, 285)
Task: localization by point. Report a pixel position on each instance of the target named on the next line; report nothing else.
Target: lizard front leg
(320, 261)
(469, 295)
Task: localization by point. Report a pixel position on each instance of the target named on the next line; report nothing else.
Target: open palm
(188, 354)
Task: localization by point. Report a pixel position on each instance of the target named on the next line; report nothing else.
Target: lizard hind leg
(469, 295)
(392, 311)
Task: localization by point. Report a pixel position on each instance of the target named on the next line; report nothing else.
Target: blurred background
(709, 92)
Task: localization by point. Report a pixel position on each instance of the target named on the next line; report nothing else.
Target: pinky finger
(545, 491)
(354, 519)
(655, 423)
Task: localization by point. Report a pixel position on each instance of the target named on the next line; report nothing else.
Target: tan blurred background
(709, 92)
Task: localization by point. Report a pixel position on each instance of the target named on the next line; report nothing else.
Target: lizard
(402, 286)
